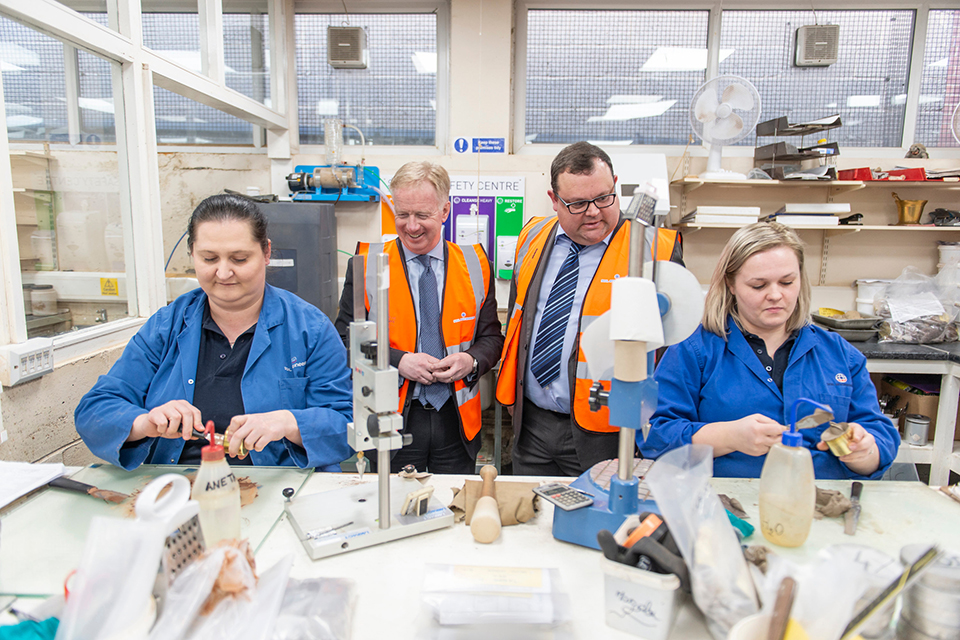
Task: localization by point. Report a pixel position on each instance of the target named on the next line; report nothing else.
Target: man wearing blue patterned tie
(444, 327)
(564, 267)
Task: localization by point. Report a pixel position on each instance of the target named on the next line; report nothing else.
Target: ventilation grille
(817, 45)
(347, 47)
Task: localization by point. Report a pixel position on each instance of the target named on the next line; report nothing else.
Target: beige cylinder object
(485, 523)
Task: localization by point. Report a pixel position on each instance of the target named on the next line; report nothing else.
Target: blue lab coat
(706, 379)
(296, 362)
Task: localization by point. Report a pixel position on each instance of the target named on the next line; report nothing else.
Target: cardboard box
(923, 404)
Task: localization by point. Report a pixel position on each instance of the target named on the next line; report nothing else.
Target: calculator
(565, 497)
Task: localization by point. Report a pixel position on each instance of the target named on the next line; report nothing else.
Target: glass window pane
(940, 80)
(172, 29)
(71, 233)
(866, 86)
(181, 120)
(246, 44)
(393, 101)
(630, 86)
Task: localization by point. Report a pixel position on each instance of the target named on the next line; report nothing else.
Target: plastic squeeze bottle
(218, 492)
(788, 495)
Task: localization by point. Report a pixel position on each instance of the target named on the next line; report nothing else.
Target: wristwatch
(476, 366)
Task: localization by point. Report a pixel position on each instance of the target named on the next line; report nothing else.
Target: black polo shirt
(217, 383)
(777, 365)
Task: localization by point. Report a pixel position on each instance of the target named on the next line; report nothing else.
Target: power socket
(25, 361)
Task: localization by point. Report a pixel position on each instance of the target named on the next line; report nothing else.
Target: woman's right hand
(174, 419)
(752, 435)
(755, 434)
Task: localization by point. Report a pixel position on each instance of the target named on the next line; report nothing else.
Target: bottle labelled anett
(217, 491)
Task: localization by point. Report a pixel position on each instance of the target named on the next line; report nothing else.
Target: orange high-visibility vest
(467, 279)
(614, 264)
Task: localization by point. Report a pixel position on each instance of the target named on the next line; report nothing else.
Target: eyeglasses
(581, 206)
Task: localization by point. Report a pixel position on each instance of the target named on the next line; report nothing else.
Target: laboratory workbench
(943, 360)
(389, 576)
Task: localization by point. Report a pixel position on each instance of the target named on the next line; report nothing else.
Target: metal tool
(852, 516)
(167, 500)
(361, 465)
(781, 609)
(818, 417)
(103, 494)
(376, 513)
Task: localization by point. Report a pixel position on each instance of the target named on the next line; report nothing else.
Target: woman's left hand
(864, 456)
(257, 430)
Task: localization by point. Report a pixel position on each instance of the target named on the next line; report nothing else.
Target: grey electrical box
(304, 252)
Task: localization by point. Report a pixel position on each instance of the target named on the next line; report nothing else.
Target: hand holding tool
(485, 523)
(852, 516)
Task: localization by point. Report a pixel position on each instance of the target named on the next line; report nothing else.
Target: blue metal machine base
(608, 510)
(365, 176)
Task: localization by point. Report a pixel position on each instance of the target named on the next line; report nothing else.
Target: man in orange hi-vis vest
(561, 283)
(444, 328)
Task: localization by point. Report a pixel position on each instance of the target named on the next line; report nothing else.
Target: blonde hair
(745, 243)
(413, 173)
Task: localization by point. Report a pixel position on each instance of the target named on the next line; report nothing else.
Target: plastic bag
(317, 609)
(914, 310)
(827, 591)
(467, 595)
(247, 612)
(719, 576)
(111, 593)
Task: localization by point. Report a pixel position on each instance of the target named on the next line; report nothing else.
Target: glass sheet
(42, 537)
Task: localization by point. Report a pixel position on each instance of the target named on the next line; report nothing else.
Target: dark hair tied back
(221, 208)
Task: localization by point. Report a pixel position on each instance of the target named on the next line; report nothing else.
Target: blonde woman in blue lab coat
(733, 382)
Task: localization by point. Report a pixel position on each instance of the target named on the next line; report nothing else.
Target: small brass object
(837, 437)
(909, 211)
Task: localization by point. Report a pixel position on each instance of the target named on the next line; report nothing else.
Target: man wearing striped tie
(444, 327)
(561, 283)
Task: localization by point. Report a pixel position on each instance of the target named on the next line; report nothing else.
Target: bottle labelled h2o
(788, 495)
(217, 491)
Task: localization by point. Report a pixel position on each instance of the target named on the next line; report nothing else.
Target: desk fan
(723, 111)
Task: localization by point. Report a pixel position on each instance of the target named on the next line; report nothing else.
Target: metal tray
(851, 335)
(867, 322)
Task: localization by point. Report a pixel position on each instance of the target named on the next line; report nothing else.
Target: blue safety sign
(489, 145)
(462, 145)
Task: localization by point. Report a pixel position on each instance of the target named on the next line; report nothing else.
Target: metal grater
(182, 547)
(180, 515)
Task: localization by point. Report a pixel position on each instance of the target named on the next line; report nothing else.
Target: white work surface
(389, 576)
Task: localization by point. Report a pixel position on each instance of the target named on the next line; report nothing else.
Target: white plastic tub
(639, 602)
(867, 291)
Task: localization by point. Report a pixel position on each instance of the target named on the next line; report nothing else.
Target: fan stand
(714, 172)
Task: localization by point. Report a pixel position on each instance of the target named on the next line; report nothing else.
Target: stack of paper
(810, 214)
(717, 214)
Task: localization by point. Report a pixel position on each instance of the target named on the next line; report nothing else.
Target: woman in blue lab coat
(258, 361)
(732, 384)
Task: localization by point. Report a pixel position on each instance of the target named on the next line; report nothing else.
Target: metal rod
(383, 480)
(383, 311)
(628, 438)
(359, 288)
(635, 261)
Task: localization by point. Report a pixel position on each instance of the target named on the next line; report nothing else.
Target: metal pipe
(383, 480)
(628, 438)
(635, 264)
(383, 311)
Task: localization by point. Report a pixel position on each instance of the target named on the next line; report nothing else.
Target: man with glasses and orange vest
(561, 283)
(444, 328)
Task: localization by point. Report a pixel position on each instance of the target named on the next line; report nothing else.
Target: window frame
(442, 10)
(139, 70)
(699, 149)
